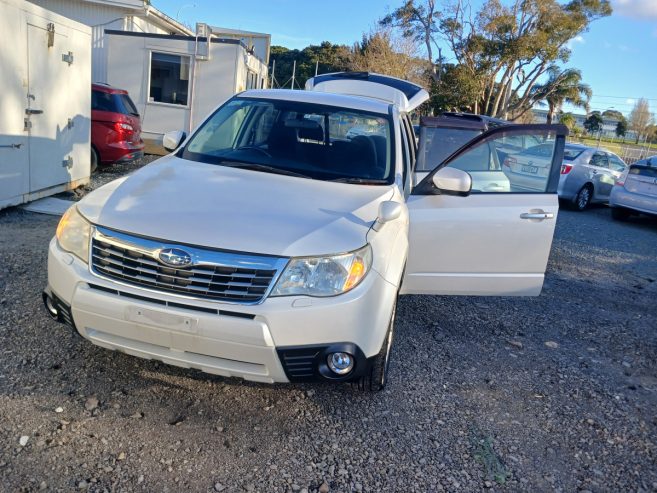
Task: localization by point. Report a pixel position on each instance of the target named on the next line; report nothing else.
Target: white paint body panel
(239, 210)
(211, 81)
(478, 245)
(474, 245)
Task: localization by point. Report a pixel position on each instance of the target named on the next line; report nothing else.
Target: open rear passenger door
(482, 222)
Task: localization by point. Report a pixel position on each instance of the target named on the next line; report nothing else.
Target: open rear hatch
(405, 95)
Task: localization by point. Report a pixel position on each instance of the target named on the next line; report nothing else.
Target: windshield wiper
(264, 168)
(361, 181)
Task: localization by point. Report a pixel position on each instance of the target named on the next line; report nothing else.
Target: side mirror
(452, 181)
(388, 211)
(172, 140)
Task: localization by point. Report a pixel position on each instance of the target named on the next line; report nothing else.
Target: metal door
(58, 131)
(14, 164)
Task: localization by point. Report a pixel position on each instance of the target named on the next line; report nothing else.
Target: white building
(175, 81)
(173, 74)
(123, 15)
(45, 76)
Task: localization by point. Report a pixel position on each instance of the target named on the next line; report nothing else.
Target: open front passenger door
(482, 222)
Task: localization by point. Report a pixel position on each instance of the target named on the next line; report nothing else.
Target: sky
(617, 56)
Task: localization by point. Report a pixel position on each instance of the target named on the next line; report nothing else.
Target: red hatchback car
(115, 126)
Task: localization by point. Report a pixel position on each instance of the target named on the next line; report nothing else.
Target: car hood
(194, 203)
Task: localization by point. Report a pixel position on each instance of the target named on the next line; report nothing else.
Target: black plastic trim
(309, 363)
(177, 37)
(172, 304)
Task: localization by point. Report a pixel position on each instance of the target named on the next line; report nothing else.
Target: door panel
(14, 176)
(478, 245)
(496, 240)
(58, 108)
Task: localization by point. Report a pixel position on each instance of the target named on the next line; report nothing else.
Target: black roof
(463, 121)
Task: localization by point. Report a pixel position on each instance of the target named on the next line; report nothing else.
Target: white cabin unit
(45, 124)
(124, 15)
(175, 80)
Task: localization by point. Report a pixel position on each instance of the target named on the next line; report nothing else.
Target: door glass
(515, 163)
(616, 164)
(599, 160)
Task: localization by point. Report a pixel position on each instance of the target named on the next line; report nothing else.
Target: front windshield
(289, 137)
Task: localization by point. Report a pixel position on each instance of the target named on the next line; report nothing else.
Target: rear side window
(126, 104)
(641, 170)
(570, 154)
(115, 103)
(102, 101)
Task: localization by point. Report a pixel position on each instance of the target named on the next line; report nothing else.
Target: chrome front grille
(213, 275)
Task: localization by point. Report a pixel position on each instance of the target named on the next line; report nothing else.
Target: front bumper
(255, 342)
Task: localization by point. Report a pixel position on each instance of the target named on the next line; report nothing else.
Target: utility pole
(273, 71)
(316, 67)
(294, 70)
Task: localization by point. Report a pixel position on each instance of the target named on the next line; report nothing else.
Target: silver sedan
(636, 190)
(588, 175)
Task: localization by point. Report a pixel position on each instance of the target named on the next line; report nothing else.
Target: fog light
(340, 363)
(50, 306)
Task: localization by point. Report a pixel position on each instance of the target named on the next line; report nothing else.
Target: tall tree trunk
(550, 113)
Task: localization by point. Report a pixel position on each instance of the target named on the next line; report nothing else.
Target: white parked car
(635, 192)
(269, 246)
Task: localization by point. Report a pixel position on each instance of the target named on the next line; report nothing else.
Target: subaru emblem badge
(175, 257)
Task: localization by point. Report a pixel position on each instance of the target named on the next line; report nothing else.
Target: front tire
(583, 198)
(377, 376)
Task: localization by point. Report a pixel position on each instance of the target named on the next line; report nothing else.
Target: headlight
(73, 234)
(324, 276)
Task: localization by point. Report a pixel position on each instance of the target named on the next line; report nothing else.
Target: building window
(251, 80)
(169, 78)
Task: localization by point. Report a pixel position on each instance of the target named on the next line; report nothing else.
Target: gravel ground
(555, 393)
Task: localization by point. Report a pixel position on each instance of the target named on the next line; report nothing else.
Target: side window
(599, 159)
(101, 101)
(503, 165)
(616, 164)
(169, 78)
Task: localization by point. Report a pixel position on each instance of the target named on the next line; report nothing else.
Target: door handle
(537, 215)
(29, 111)
(11, 146)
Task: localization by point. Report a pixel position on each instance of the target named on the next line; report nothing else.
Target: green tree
(568, 120)
(331, 58)
(613, 114)
(564, 87)
(621, 127)
(418, 21)
(384, 52)
(510, 48)
(593, 123)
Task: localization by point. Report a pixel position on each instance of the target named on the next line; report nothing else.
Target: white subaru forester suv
(273, 242)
